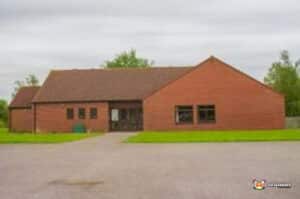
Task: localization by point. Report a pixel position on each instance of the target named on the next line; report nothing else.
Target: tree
(3, 113)
(128, 60)
(284, 77)
(30, 80)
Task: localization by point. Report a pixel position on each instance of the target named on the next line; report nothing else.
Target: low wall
(292, 122)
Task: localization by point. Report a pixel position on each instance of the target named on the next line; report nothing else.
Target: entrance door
(126, 117)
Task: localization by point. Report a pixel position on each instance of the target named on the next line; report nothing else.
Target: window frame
(72, 113)
(95, 115)
(183, 122)
(79, 115)
(207, 108)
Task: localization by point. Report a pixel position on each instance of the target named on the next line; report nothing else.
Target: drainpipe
(34, 117)
(9, 119)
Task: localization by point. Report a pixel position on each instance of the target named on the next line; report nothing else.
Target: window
(70, 113)
(184, 114)
(206, 114)
(81, 113)
(114, 115)
(133, 114)
(93, 113)
(123, 114)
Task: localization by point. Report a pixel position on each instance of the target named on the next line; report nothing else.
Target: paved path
(104, 168)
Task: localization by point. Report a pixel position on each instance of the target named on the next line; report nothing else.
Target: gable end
(212, 58)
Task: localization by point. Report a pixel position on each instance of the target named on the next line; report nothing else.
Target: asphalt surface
(104, 168)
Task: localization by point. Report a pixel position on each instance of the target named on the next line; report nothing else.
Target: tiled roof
(24, 97)
(106, 84)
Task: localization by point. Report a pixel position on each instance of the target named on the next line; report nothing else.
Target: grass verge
(26, 137)
(214, 136)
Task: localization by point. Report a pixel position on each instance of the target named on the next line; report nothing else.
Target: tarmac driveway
(104, 168)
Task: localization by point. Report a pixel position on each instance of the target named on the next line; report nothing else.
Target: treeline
(3, 113)
(284, 77)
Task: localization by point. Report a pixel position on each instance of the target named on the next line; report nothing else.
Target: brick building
(210, 95)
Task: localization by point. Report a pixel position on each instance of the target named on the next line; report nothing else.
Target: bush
(2, 124)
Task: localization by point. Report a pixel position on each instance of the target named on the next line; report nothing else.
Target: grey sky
(37, 36)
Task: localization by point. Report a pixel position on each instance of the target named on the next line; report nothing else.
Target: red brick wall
(52, 117)
(241, 103)
(21, 120)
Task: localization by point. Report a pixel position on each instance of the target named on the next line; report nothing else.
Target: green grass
(26, 137)
(215, 136)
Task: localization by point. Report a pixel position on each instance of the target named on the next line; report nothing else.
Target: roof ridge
(28, 86)
(113, 69)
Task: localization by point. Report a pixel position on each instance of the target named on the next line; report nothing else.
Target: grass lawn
(214, 136)
(26, 137)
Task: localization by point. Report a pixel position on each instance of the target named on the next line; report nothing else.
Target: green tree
(3, 113)
(283, 76)
(30, 80)
(128, 60)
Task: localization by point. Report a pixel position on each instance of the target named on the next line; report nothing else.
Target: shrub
(2, 124)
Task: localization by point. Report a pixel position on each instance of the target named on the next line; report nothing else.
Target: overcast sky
(39, 35)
